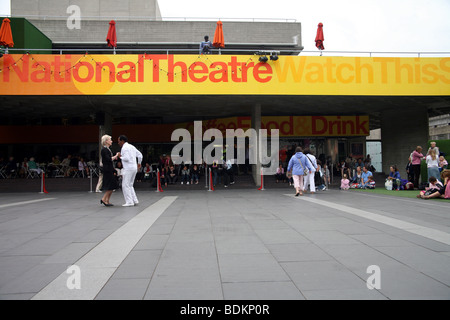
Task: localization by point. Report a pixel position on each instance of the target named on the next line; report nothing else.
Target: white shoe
(128, 205)
(187, 182)
(136, 203)
(181, 182)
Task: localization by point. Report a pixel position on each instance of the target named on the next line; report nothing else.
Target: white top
(128, 155)
(432, 163)
(313, 160)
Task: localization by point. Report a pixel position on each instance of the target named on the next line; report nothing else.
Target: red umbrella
(319, 37)
(219, 41)
(111, 38)
(6, 38)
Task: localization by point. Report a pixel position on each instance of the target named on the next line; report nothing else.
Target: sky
(348, 25)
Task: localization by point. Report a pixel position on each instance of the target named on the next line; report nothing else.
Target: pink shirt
(345, 184)
(416, 157)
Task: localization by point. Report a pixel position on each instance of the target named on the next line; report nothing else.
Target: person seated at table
(33, 167)
(195, 173)
(11, 167)
(148, 172)
(23, 168)
(185, 175)
(83, 167)
(172, 175)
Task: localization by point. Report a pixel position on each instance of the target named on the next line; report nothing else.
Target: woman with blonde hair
(109, 181)
(433, 165)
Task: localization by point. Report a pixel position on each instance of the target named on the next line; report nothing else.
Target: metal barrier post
(261, 188)
(210, 181)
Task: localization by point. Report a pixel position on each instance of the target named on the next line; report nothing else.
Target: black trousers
(416, 170)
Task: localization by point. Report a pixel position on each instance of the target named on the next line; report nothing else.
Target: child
(370, 184)
(442, 163)
(345, 183)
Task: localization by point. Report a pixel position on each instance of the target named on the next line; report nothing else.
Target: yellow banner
(149, 74)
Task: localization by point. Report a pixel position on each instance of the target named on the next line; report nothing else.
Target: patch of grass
(394, 193)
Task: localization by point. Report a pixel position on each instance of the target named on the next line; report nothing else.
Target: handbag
(305, 171)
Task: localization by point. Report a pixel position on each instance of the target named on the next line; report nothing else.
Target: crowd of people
(71, 166)
(352, 172)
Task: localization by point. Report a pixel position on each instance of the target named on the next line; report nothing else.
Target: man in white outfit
(131, 161)
(309, 178)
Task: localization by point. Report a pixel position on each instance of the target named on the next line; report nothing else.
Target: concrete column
(401, 133)
(105, 127)
(256, 125)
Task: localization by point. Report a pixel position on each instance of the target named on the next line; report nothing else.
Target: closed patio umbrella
(111, 38)
(6, 38)
(219, 41)
(319, 37)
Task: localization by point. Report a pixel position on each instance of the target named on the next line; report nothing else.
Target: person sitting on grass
(370, 183)
(394, 176)
(443, 192)
(345, 183)
(365, 177)
(433, 186)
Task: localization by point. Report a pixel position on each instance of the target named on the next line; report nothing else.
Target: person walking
(308, 180)
(131, 161)
(109, 180)
(298, 164)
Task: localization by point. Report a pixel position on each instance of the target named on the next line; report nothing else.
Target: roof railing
(256, 51)
(146, 18)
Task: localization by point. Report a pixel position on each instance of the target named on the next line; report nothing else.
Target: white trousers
(308, 180)
(129, 194)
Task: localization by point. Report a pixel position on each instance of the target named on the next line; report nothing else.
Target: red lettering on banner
(319, 125)
(287, 127)
(90, 72)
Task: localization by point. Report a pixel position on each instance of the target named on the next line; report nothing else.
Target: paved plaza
(229, 244)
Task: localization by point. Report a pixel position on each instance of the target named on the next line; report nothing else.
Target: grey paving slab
(346, 294)
(273, 236)
(12, 267)
(124, 289)
(276, 290)
(33, 280)
(381, 240)
(239, 244)
(250, 268)
(426, 261)
(322, 275)
(139, 264)
(152, 242)
(322, 237)
(285, 252)
(404, 283)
